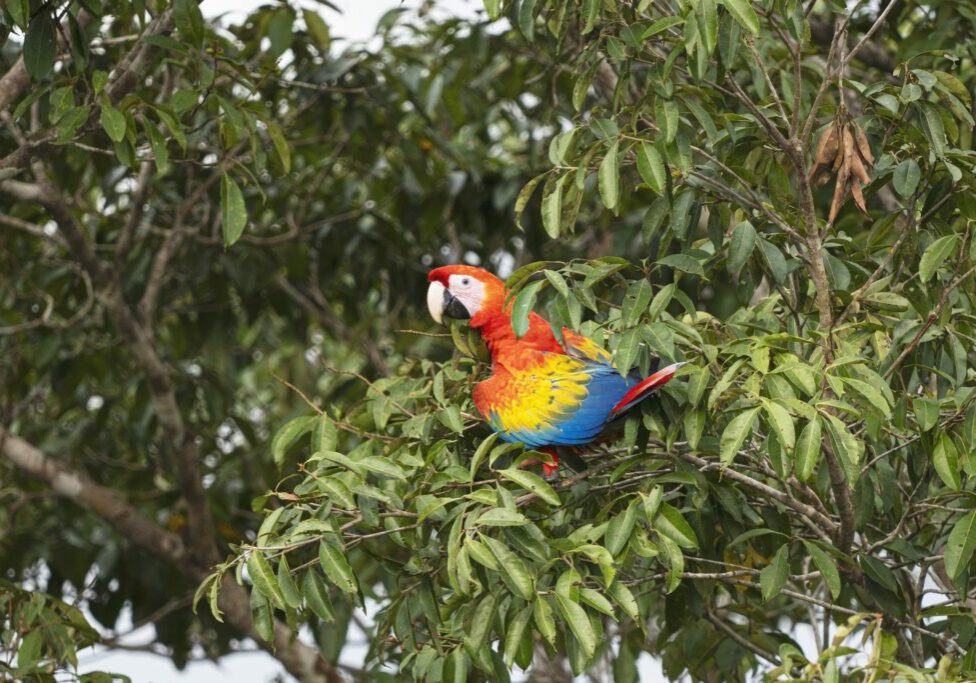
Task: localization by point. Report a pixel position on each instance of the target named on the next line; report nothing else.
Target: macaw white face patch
(470, 291)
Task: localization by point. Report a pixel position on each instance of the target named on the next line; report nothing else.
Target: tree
(777, 192)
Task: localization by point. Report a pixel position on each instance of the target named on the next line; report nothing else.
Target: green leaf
(552, 206)
(383, 466)
(661, 25)
(318, 29)
(532, 482)
(189, 21)
(651, 167)
(337, 491)
(280, 144)
(29, 651)
(620, 528)
(289, 434)
(780, 420)
(513, 571)
(625, 598)
(609, 177)
(158, 144)
(774, 259)
(671, 523)
(740, 246)
(264, 579)
(627, 349)
(945, 460)
(935, 255)
(480, 554)
(450, 417)
(233, 211)
(846, 447)
(595, 599)
(493, 8)
(317, 596)
(636, 301)
(825, 563)
(932, 127)
(906, 177)
(869, 394)
(501, 517)
(526, 18)
(524, 195)
(742, 12)
(684, 263)
(262, 615)
(960, 544)
(808, 450)
(289, 590)
(773, 577)
(336, 567)
(666, 113)
(112, 120)
(524, 302)
(514, 631)
(40, 46)
(735, 433)
(544, 622)
(477, 633)
(19, 12)
(579, 624)
(926, 412)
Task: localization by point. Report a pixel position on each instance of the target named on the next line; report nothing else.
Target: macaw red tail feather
(644, 388)
(550, 468)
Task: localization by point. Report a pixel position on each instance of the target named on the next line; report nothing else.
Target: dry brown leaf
(844, 155)
(824, 156)
(863, 147)
(858, 170)
(839, 159)
(838, 198)
(858, 195)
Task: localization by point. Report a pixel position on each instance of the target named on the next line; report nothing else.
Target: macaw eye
(465, 281)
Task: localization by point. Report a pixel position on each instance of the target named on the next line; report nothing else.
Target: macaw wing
(550, 399)
(584, 348)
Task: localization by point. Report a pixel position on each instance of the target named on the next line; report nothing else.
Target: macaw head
(464, 292)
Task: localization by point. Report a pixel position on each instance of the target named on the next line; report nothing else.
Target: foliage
(226, 210)
(44, 633)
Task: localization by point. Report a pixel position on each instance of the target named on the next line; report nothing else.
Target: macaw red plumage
(540, 393)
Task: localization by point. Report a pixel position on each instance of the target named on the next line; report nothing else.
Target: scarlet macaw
(540, 393)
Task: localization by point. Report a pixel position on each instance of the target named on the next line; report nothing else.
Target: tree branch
(822, 524)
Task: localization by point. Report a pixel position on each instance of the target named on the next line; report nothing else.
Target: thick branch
(91, 495)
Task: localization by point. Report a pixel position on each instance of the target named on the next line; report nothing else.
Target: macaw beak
(440, 303)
